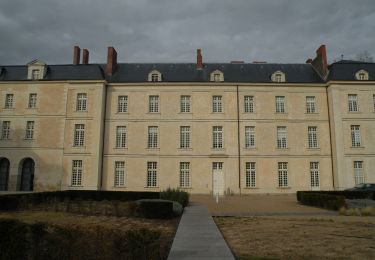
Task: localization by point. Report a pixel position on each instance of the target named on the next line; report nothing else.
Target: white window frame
(152, 168)
(217, 137)
(356, 135)
(312, 136)
(361, 75)
(35, 74)
(81, 102)
(280, 104)
(184, 137)
(249, 104)
(79, 135)
(153, 104)
(121, 136)
(119, 178)
(283, 178)
(314, 175)
(185, 104)
(32, 100)
(152, 140)
(310, 104)
(9, 100)
(282, 138)
(5, 130)
(29, 131)
(353, 103)
(249, 137)
(217, 104)
(122, 104)
(250, 175)
(278, 77)
(77, 172)
(359, 176)
(184, 174)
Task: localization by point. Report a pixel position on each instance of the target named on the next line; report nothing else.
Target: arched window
(217, 76)
(361, 75)
(27, 175)
(278, 76)
(4, 173)
(154, 76)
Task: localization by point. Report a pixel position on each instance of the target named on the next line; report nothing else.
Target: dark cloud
(170, 30)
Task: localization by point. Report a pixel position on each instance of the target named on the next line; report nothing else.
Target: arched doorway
(4, 173)
(27, 175)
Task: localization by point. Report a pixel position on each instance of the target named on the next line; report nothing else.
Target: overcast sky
(282, 31)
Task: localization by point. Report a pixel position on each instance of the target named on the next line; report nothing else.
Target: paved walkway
(198, 237)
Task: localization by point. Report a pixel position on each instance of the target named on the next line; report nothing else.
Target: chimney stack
(320, 62)
(76, 55)
(85, 56)
(199, 60)
(309, 60)
(111, 61)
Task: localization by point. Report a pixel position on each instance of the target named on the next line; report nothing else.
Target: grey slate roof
(346, 70)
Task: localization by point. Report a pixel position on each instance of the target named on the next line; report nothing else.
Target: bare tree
(364, 56)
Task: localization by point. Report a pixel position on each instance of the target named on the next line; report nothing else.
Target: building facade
(209, 128)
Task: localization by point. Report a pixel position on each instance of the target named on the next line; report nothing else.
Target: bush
(162, 209)
(177, 195)
(13, 239)
(321, 199)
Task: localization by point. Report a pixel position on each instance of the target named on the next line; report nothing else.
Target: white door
(217, 179)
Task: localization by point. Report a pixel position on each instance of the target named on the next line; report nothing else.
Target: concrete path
(198, 237)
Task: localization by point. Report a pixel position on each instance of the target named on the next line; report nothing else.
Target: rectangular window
(217, 134)
(35, 74)
(314, 174)
(121, 137)
(312, 136)
(153, 104)
(81, 102)
(217, 165)
(77, 173)
(352, 103)
(356, 135)
(8, 101)
(185, 137)
(217, 106)
(250, 175)
(280, 104)
(119, 174)
(32, 100)
(281, 137)
(79, 135)
(250, 137)
(358, 172)
(5, 131)
(29, 130)
(184, 174)
(283, 174)
(152, 137)
(122, 104)
(249, 104)
(151, 174)
(310, 105)
(154, 77)
(185, 104)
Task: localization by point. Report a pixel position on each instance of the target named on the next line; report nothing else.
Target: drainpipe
(103, 136)
(238, 140)
(330, 139)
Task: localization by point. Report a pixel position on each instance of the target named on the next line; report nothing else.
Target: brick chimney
(320, 61)
(76, 55)
(111, 61)
(199, 60)
(85, 56)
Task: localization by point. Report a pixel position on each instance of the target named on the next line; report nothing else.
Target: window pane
(122, 104)
(81, 102)
(185, 104)
(358, 172)
(281, 137)
(153, 104)
(312, 137)
(310, 105)
(185, 137)
(217, 104)
(151, 174)
(184, 174)
(250, 175)
(314, 174)
(249, 104)
(77, 173)
(280, 104)
(283, 174)
(119, 174)
(121, 137)
(217, 134)
(79, 135)
(250, 137)
(152, 137)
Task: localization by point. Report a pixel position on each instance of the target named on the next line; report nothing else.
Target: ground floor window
(119, 174)
(184, 174)
(358, 172)
(250, 175)
(314, 174)
(283, 174)
(151, 174)
(77, 173)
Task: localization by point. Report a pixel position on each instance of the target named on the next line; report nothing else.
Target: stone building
(204, 127)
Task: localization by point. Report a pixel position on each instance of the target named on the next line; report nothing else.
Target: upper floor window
(314, 174)
(361, 75)
(278, 77)
(29, 134)
(250, 137)
(5, 130)
(36, 69)
(8, 101)
(154, 76)
(217, 76)
(35, 74)
(310, 105)
(249, 104)
(283, 174)
(153, 104)
(217, 137)
(152, 137)
(121, 137)
(79, 135)
(312, 136)
(250, 175)
(122, 104)
(217, 106)
(185, 137)
(81, 102)
(77, 170)
(152, 174)
(358, 172)
(281, 137)
(352, 103)
(119, 174)
(32, 100)
(280, 104)
(356, 135)
(185, 104)
(184, 174)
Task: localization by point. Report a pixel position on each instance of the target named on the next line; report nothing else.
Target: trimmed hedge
(177, 195)
(149, 208)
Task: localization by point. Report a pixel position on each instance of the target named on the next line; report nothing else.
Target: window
(352, 103)
(121, 137)
(154, 77)
(35, 73)
(184, 174)
(312, 136)
(283, 174)
(81, 102)
(361, 75)
(358, 172)
(217, 76)
(185, 137)
(153, 104)
(151, 174)
(8, 101)
(122, 104)
(5, 131)
(32, 100)
(119, 174)
(281, 137)
(356, 135)
(217, 106)
(152, 137)
(314, 174)
(217, 165)
(249, 104)
(79, 135)
(185, 104)
(250, 175)
(310, 105)
(250, 137)
(280, 104)
(278, 77)
(77, 173)
(217, 134)
(29, 130)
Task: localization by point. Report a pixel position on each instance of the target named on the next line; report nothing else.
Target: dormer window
(36, 70)
(217, 76)
(35, 74)
(154, 76)
(361, 75)
(278, 77)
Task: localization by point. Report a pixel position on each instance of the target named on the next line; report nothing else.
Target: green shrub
(177, 195)
(321, 199)
(157, 208)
